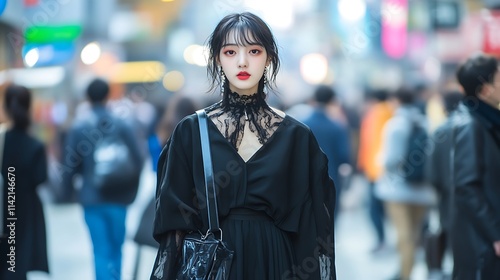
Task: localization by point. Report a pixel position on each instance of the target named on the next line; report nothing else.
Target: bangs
(241, 36)
(244, 29)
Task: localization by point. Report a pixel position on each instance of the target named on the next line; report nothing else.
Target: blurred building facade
(56, 46)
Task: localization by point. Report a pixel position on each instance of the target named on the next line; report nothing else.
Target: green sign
(51, 34)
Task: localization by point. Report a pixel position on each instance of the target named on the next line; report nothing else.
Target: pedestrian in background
(440, 178)
(370, 144)
(332, 136)
(24, 164)
(476, 176)
(275, 198)
(102, 149)
(178, 107)
(406, 202)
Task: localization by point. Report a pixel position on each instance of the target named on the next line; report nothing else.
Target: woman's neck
(248, 91)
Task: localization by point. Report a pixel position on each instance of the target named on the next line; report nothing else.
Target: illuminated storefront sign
(491, 33)
(394, 27)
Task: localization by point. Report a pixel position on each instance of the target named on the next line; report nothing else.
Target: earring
(265, 76)
(223, 80)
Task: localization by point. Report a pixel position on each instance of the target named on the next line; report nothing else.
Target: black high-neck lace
(234, 111)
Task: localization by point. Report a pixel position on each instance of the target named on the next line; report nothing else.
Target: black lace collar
(235, 111)
(235, 101)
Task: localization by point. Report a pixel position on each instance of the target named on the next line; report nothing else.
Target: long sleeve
(314, 242)
(176, 209)
(468, 181)
(166, 260)
(324, 197)
(176, 201)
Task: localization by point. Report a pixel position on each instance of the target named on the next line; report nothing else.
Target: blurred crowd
(407, 181)
(426, 148)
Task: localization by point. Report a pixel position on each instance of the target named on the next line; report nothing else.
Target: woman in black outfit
(25, 167)
(275, 198)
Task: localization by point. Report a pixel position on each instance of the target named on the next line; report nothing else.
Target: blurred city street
(70, 255)
(366, 68)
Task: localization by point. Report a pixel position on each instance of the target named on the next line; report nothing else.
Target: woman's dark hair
(17, 105)
(249, 29)
(476, 72)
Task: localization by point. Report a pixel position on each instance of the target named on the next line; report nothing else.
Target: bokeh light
(352, 10)
(173, 81)
(314, 68)
(31, 57)
(91, 53)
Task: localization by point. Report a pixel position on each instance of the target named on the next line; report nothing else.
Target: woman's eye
(230, 52)
(255, 51)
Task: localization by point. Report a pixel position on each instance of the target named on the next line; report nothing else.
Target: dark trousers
(377, 213)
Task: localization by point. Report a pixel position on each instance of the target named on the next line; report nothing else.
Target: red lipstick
(243, 75)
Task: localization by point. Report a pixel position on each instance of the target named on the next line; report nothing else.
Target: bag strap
(211, 197)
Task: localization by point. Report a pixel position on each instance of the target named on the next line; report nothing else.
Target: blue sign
(3, 3)
(51, 54)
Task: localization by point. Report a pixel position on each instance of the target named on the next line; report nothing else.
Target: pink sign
(491, 33)
(29, 3)
(394, 27)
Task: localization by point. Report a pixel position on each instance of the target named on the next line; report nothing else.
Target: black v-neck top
(287, 178)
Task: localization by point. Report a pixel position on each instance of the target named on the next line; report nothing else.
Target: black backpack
(413, 167)
(114, 169)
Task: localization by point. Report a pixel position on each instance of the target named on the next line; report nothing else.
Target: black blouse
(287, 178)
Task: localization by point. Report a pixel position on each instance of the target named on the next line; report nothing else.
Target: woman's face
(243, 66)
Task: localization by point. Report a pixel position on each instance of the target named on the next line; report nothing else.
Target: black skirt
(261, 250)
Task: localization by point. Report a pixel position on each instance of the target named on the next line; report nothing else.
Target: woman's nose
(242, 60)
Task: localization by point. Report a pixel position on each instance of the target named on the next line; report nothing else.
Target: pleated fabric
(262, 250)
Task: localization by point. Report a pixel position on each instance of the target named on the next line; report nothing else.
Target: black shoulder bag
(205, 257)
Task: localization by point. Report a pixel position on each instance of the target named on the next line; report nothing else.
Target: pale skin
(490, 92)
(252, 59)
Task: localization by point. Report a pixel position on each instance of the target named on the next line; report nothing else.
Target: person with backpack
(370, 142)
(103, 150)
(402, 186)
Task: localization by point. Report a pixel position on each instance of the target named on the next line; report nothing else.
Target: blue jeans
(106, 224)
